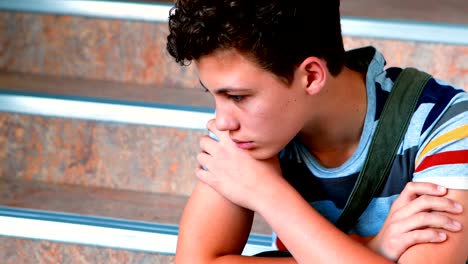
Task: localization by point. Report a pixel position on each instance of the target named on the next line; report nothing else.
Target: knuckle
(426, 199)
(422, 217)
(413, 237)
(428, 235)
(210, 123)
(408, 191)
(410, 186)
(446, 221)
(203, 140)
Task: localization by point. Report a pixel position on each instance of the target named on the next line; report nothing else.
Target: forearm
(305, 232)
(454, 249)
(236, 259)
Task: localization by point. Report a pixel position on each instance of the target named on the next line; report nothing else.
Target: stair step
(152, 136)
(30, 251)
(132, 205)
(101, 217)
(90, 153)
(104, 49)
(115, 92)
(104, 101)
(90, 48)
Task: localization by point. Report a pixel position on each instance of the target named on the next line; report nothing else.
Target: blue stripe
(371, 221)
(89, 220)
(381, 99)
(133, 225)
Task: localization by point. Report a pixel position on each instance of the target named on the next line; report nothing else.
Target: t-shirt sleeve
(443, 157)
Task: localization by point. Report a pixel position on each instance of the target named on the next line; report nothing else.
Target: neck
(335, 133)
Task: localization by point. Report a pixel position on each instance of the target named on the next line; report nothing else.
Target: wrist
(372, 244)
(361, 240)
(375, 245)
(271, 194)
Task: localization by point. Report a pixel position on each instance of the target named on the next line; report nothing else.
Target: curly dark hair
(276, 34)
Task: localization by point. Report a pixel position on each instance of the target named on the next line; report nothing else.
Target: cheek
(283, 116)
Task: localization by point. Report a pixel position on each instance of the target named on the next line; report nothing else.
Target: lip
(244, 144)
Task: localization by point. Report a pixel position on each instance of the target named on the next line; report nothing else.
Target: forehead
(224, 59)
(230, 68)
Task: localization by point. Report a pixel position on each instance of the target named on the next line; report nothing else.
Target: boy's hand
(232, 172)
(414, 219)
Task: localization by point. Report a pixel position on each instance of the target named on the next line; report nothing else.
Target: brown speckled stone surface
(142, 158)
(446, 62)
(127, 51)
(26, 251)
(152, 207)
(134, 52)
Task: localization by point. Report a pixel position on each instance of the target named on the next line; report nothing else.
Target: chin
(262, 154)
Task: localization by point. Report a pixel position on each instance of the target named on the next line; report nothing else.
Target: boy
(287, 93)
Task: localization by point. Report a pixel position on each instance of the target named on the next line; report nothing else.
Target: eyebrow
(221, 90)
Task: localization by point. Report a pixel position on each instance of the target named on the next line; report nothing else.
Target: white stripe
(88, 235)
(460, 182)
(104, 111)
(98, 236)
(158, 12)
(410, 31)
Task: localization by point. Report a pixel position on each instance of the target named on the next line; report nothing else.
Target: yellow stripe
(455, 134)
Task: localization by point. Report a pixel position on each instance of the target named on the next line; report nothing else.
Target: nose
(225, 120)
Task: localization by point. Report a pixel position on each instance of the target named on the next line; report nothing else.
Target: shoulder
(442, 124)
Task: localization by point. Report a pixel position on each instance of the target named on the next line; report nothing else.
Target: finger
(211, 126)
(202, 175)
(203, 160)
(407, 240)
(428, 203)
(413, 190)
(218, 135)
(429, 220)
(422, 236)
(207, 144)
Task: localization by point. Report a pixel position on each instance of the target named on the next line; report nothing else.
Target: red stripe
(280, 245)
(444, 158)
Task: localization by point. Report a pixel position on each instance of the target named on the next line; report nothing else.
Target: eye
(236, 98)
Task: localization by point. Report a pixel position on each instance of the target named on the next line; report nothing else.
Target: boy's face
(258, 111)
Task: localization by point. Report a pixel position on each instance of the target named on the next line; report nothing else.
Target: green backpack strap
(389, 133)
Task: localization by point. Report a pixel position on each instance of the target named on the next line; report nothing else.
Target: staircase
(99, 127)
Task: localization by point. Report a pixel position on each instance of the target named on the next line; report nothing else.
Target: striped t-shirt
(434, 149)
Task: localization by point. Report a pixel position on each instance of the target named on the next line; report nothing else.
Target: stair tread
(163, 208)
(103, 89)
(32, 251)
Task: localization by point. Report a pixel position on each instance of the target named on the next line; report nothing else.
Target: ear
(313, 74)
